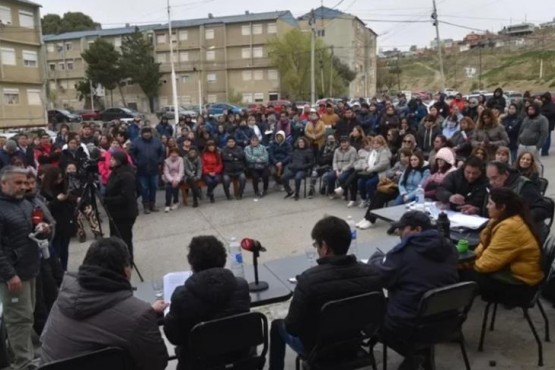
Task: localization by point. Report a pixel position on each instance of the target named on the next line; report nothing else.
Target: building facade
(21, 65)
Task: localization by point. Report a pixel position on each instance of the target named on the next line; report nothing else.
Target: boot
(153, 208)
(227, 195)
(146, 208)
(311, 192)
(195, 198)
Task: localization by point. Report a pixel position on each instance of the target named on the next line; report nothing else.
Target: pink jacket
(104, 166)
(173, 170)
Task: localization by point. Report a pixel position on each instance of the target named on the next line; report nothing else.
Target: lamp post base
(254, 287)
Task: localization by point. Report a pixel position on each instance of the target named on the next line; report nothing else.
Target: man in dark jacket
(26, 150)
(96, 309)
(9, 153)
(233, 158)
(441, 105)
(548, 111)
(422, 261)
(19, 263)
(336, 276)
(497, 100)
(134, 129)
(346, 123)
(148, 155)
(465, 189)
(302, 161)
(164, 128)
(212, 292)
(324, 163)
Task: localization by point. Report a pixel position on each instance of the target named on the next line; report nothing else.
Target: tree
(70, 22)
(103, 66)
(84, 92)
(138, 64)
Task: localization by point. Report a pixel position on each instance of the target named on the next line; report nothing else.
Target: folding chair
(544, 183)
(110, 358)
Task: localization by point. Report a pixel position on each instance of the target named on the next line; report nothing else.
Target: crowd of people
(478, 156)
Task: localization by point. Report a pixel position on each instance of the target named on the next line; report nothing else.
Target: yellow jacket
(511, 244)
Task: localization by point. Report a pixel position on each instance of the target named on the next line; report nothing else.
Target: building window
(117, 42)
(8, 56)
(161, 38)
(246, 30)
(247, 75)
(211, 77)
(183, 56)
(272, 74)
(26, 19)
(70, 65)
(50, 48)
(30, 58)
(258, 97)
(11, 96)
(52, 85)
(257, 29)
(258, 52)
(272, 28)
(209, 34)
(69, 46)
(212, 98)
(174, 38)
(183, 35)
(210, 55)
(52, 66)
(161, 58)
(5, 15)
(258, 75)
(247, 98)
(246, 53)
(33, 97)
(61, 66)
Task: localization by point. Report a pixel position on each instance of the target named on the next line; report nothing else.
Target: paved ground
(283, 226)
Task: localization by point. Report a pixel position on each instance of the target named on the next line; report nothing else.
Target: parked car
(119, 113)
(56, 116)
(279, 104)
(217, 109)
(168, 112)
(88, 115)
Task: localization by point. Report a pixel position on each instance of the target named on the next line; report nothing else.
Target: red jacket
(211, 162)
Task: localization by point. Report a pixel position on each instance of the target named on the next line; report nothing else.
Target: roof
(324, 13)
(28, 3)
(285, 16)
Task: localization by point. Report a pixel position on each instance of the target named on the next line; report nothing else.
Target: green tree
(103, 66)
(84, 92)
(70, 22)
(138, 64)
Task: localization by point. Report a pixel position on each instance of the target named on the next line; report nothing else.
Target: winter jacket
(133, 131)
(512, 125)
(343, 127)
(147, 156)
(314, 131)
(335, 277)
(325, 155)
(434, 180)
(19, 255)
(212, 162)
(243, 135)
(415, 178)
(496, 136)
(120, 196)
(455, 183)
(301, 159)
(280, 152)
(380, 162)
(387, 122)
(78, 157)
(173, 170)
(497, 100)
(548, 110)
(193, 167)
(533, 131)
(368, 121)
(233, 160)
(425, 137)
(62, 211)
(7, 158)
(419, 263)
(164, 129)
(96, 309)
(206, 295)
(104, 165)
(361, 164)
(344, 160)
(509, 244)
(257, 157)
(462, 143)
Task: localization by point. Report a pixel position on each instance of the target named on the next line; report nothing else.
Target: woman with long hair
(526, 165)
(489, 134)
(462, 139)
(357, 136)
(509, 254)
(411, 179)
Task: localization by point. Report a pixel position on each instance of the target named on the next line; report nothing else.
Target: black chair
(110, 358)
(229, 343)
(549, 221)
(548, 256)
(544, 183)
(441, 314)
(346, 323)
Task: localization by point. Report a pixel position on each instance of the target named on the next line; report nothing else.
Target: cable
(461, 26)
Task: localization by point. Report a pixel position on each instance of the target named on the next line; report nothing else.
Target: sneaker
(339, 191)
(288, 195)
(167, 209)
(331, 196)
(364, 224)
(174, 206)
(296, 196)
(351, 204)
(362, 204)
(282, 188)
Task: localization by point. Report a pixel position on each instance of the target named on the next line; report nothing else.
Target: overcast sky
(377, 14)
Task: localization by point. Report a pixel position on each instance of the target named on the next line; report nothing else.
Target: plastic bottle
(354, 245)
(236, 258)
(420, 195)
(443, 225)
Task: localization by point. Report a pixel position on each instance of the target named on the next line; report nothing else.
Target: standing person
(489, 134)
(164, 128)
(258, 163)
(121, 199)
(26, 149)
(314, 130)
(512, 121)
(461, 140)
(427, 131)
(302, 161)
(134, 129)
(497, 99)
(19, 264)
(233, 158)
(212, 167)
(548, 111)
(193, 173)
(534, 130)
(173, 175)
(148, 154)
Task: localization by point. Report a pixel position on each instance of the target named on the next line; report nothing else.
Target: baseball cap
(413, 219)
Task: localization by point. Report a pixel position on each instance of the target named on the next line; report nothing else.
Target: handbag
(387, 186)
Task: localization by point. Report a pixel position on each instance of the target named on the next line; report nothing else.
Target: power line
(461, 26)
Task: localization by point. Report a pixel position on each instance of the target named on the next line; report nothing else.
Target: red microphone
(252, 245)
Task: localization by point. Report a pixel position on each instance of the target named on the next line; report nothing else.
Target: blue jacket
(368, 121)
(420, 262)
(133, 131)
(243, 135)
(147, 156)
(414, 179)
(164, 129)
(280, 152)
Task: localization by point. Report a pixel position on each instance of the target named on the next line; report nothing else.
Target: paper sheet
(171, 281)
(469, 221)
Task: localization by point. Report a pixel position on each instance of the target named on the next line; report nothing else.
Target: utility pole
(331, 72)
(398, 73)
(311, 23)
(91, 94)
(440, 57)
(480, 46)
(174, 87)
(322, 74)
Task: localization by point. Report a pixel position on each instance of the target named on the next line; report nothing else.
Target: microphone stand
(257, 286)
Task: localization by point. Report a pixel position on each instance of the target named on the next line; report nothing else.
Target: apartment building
(352, 42)
(21, 65)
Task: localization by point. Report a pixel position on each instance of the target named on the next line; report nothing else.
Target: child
(173, 175)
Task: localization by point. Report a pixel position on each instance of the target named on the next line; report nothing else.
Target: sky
(387, 18)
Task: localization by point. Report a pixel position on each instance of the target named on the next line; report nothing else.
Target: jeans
(171, 193)
(546, 144)
(288, 175)
(332, 178)
(18, 315)
(239, 176)
(367, 186)
(279, 337)
(258, 173)
(211, 183)
(149, 185)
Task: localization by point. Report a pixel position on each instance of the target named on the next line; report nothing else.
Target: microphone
(252, 245)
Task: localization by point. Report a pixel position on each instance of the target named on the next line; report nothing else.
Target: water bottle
(443, 225)
(354, 244)
(420, 195)
(236, 258)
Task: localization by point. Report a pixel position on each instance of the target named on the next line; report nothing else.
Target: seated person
(302, 160)
(233, 158)
(96, 309)
(527, 166)
(212, 168)
(344, 159)
(413, 177)
(323, 164)
(258, 164)
(280, 155)
(193, 173)
(336, 276)
(444, 164)
(211, 292)
(503, 154)
(422, 261)
(508, 256)
(464, 189)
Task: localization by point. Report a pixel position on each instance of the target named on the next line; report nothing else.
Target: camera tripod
(90, 192)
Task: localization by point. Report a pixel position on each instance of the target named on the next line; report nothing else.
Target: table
(392, 214)
(277, 291)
